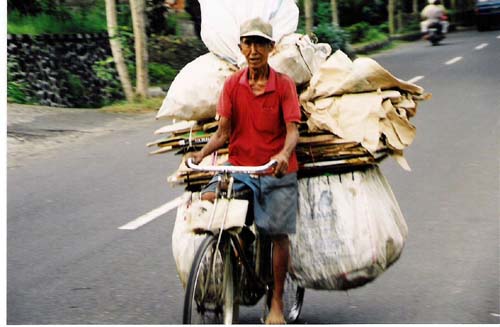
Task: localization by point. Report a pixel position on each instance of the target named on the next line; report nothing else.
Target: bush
(106, 71)
(16, 92)
(161, 73)
(373, 34)
(323, 14)
(78, 22)
(364, 32)
(333, 35)
(357, 31)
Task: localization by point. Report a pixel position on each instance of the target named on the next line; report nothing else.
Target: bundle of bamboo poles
(317, 153)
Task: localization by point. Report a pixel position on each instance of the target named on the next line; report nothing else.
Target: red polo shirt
(258, 129)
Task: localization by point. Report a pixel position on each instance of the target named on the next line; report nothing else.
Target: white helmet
(431, 2)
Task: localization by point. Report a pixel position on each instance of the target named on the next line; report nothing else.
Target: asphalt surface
(74, 177)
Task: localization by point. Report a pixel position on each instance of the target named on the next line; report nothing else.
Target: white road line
(481, 46)
(152, 215)
(492, 313)
(415, 79)
(452, 61)
(498, 37)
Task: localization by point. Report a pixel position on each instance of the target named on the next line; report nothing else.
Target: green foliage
(26, 7)
(323, 14)
(75, 85)
(16, 92)
(172, 24)
(89, 21)
(106, 71)
(364, 32)
(384, 28)
(357, 31)
(161, 73)
(373, 35)
(411, 25)
(374, 12)
(331, 34)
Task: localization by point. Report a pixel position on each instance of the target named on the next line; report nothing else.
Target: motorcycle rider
(433, 13)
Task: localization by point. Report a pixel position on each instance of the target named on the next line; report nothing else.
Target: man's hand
(197, 157)
(282, 167)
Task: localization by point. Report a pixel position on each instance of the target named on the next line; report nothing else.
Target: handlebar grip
(232, 169)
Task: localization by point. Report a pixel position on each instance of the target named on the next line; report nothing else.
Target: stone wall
(175, 51)
(58, 70)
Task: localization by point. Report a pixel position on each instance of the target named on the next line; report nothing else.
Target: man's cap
(257, 27)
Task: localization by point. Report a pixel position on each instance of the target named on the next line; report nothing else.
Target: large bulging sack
(221, 20)
(194, 93)
(349, 230)
(298, 57)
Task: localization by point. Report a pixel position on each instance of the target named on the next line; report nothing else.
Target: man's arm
(292, 137)
(217, 140)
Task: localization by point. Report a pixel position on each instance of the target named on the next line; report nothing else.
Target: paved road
(68, 263)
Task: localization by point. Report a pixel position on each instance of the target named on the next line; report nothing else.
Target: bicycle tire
(210, 292)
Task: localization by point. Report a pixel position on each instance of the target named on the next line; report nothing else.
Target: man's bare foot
(275, 316)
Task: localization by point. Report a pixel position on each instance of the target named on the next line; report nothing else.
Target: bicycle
(222, 276)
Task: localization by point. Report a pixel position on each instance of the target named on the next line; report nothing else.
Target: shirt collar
(271, 82)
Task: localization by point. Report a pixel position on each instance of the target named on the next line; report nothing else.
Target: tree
(137, 8)
(391, 9)
(116, 49)
(399, 15)
(414, 6)
(335, 12)
(308, 10)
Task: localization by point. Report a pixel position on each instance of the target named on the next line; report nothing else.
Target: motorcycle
(436, 31)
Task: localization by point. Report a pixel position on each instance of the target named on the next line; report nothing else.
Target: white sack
(221, 20)
(194, 93)
(349, 230)
(298, 57)
(185, 243)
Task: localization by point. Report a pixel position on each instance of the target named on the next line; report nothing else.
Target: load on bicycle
(323, 216)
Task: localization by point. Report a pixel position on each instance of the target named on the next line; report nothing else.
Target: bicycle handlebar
(233, 169)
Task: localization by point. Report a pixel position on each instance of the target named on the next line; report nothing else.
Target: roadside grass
(380, 38)
(136, 106)
(390, 46)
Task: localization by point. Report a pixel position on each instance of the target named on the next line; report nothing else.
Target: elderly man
(259, 113)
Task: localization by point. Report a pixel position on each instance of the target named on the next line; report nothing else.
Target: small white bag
(200, 213)
(185, 242)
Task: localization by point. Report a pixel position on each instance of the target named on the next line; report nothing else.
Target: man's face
(256, 50)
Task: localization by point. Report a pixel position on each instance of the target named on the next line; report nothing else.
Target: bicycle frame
(227, 178)
(256, 280)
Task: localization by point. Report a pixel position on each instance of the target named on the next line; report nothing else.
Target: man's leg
(281, 255)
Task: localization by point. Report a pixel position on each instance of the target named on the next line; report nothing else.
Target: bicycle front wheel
(210, 290)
